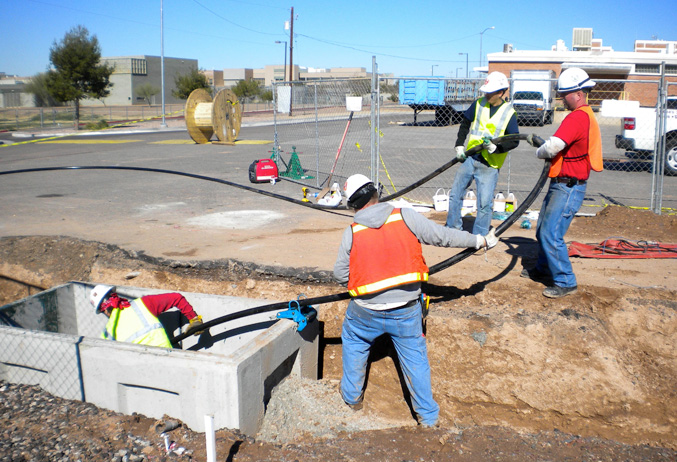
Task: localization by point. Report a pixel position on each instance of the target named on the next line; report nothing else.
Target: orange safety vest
(594, 147)
(385, 257)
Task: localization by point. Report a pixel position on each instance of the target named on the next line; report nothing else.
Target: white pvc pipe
(211, 438)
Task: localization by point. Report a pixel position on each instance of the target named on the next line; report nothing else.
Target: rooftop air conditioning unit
(582, 39)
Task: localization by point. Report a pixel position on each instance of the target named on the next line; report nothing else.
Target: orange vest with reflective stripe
(385, 257)
(594, 147)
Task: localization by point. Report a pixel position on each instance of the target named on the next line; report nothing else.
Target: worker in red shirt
(137, 321)
(574, 150)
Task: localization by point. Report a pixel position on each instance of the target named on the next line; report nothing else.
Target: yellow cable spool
(205, 117)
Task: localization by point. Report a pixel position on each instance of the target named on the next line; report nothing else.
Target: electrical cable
(531, 197)
(340, 296)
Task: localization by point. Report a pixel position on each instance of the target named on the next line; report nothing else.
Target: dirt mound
(634, 224)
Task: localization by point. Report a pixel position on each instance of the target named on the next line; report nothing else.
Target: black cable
(451, 163)
(190, 175)
(531, 197)
(336, 297)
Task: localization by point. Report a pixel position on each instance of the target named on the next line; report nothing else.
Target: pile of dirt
(633, 224)
(518, 376)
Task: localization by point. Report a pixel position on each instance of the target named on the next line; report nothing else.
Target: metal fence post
(658, 170)
(373, 137)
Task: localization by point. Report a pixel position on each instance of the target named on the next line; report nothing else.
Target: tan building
(600, 62)
(133, 71)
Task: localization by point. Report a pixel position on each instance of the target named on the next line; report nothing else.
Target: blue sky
(407, 37)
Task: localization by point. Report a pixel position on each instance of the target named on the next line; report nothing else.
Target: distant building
(131, 72)
(12, 92)
(600, 62)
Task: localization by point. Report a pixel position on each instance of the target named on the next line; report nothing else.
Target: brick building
(619, 73)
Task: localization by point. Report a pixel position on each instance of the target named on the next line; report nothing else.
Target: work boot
(536, 275)
(558, 291)
(356, 406)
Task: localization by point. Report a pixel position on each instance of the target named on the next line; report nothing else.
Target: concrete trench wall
(51, 339)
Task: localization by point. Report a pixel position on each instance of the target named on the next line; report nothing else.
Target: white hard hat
(574, 79)
(98, 293)
(354, 183)
(495, 81)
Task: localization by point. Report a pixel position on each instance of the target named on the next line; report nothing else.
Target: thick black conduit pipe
(531, 197)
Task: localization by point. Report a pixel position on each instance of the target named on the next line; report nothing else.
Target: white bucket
(499, 203)
(441, 200)
(469, 205)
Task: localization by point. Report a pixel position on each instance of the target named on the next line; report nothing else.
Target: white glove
(488, 145)
(460, 153)
(488, 241)
(491, 238)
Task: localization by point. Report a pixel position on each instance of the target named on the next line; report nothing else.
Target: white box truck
(532, 94)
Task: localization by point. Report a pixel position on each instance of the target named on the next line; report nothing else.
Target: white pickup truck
(638, 133)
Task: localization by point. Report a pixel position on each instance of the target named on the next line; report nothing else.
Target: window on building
(670, 69)
(647, 69)
(139, 66)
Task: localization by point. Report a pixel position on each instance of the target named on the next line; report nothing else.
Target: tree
(147, 91)
(186, 83)
(267, 96)
(38, 86)
(77, 73)
(246, 89)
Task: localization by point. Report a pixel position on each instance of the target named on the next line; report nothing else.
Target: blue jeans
(485, 179)
(361, 327)
(559, 207)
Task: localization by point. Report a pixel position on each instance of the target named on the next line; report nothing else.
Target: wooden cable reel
(205, 117)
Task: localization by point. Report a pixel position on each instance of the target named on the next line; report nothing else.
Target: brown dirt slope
(517, 376)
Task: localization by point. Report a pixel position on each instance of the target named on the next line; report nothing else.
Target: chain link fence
(24, 118)
(397, 141)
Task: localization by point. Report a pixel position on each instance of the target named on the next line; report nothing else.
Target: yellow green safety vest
(136, 324)
(485, 125)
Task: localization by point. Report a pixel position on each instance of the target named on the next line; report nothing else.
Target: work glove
(535, 140)
(488, 241)
(460, 153)
(488, 145)
(491, 239)
(195, 322)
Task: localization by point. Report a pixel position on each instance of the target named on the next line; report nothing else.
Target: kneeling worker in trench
(137, 321)
(380, 260)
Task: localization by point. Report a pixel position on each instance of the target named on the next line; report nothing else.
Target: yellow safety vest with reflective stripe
(485, 125)
(136, 324)
(385, 257)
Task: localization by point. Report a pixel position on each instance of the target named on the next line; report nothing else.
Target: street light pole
(466, 64)
(457, 71)
(432, 69)
(284, 76)
(162, 61)
(482, 33)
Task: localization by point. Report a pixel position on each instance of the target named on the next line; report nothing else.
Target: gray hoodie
(427, 232)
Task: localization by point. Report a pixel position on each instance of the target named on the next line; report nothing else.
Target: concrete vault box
(52, 339)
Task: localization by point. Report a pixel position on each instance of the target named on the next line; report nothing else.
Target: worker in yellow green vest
(488, 117)
(136, 321)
